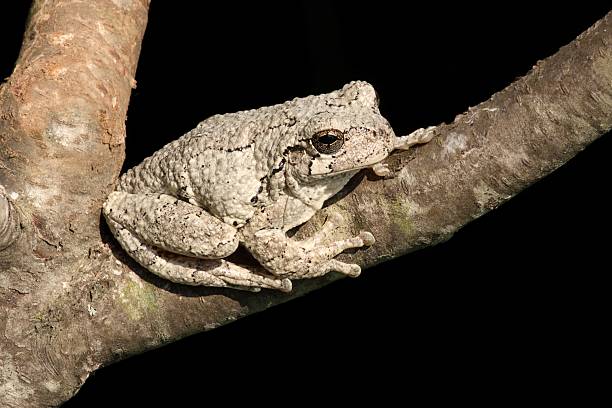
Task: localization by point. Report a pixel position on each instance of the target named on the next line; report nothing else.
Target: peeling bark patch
(454, 143)
(68, 133)
(61, 39)
(52, 385)
(486, 197)
(124, 4)
(43, 196)
(514, 159)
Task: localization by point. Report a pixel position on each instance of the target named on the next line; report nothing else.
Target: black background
(513, 303)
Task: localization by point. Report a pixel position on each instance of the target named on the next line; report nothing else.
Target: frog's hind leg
(181, 242)
(168, 223)
(193, 271)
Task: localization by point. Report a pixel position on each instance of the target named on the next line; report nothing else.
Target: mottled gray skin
(247, 178)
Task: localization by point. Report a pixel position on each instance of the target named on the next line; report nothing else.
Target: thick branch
(62, 115)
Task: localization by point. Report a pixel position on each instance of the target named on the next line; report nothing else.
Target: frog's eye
(328, 141)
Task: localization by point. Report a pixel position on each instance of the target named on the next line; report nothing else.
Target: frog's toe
(334, 219)
(285, 286)
(367, 238)
(381, 170)
(352, 270)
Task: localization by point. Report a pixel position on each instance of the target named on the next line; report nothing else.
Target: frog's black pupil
(328, 139)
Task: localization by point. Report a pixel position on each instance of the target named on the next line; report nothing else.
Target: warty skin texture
(249, 177)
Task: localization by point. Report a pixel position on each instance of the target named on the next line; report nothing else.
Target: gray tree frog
(248, 178)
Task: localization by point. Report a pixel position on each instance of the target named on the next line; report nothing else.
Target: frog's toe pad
(367, 238)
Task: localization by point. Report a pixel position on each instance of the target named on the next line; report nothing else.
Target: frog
(248, 179)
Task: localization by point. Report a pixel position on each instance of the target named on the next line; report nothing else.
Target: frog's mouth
(348, 172)
(326, 167)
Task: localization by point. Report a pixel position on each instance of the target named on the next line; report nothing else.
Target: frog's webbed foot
(309, 258)
(320, 247)
(332, 222)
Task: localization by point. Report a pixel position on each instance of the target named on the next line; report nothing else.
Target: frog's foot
(311, 257)
(419, 136)
(193, 271)
(320, 251)
(381, 169)
(320, 257)
(332, 222)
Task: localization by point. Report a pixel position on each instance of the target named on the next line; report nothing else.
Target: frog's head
(344, 133)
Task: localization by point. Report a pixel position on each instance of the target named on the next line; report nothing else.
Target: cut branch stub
(9, 221)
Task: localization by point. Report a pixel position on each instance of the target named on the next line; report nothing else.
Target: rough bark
(62, 115)
(71, 301)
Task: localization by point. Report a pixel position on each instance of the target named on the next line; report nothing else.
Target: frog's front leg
(181, 242)
(309, 258)
(419, 136)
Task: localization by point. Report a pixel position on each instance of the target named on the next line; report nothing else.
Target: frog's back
(222, 164)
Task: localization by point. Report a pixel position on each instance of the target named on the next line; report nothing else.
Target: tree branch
(62, 115)
(74, 306)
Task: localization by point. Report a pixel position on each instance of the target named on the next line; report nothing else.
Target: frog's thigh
(193, 271)
(168, 223)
